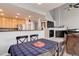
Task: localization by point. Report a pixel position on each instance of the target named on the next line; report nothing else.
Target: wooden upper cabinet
(6, 23)
(10, 22)
(0, 22)
(21, 22)
(14, 23)
(3, 23)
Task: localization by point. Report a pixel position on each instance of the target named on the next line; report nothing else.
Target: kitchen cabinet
(10, 22)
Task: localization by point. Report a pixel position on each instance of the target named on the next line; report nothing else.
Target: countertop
(17, 30)
(13, 29)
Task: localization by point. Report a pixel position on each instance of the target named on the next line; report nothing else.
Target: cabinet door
(7, 23)
(14, 23)
(3, 23)
(0, 22)
(20, 21)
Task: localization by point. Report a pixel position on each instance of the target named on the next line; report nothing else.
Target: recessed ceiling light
(29, 16)
(1, 14)
(1, 10)
(16, 16)
(18, 13)
(39, 3)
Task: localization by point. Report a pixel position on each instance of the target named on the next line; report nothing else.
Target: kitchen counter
(13, 30)
(19, 30)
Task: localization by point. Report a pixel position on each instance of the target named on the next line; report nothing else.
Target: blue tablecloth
(27, 49)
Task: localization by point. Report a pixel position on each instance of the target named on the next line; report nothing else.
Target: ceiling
(11, 10)
(44, 6)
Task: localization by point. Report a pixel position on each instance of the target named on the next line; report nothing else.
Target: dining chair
(33, 37)
(22, 39)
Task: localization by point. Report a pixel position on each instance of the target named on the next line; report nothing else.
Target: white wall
(68, 18)
(48, 17)
(9, 38)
